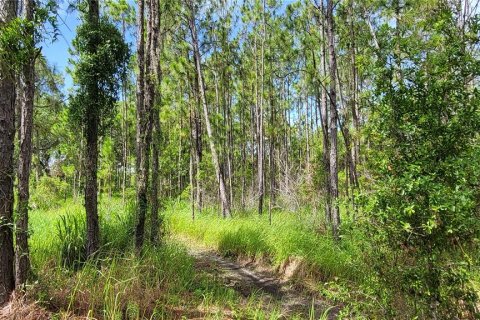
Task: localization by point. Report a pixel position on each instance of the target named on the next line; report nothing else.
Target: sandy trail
(249, 279)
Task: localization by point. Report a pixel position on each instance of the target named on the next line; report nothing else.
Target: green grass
(338, 271)
(289, 236)
(161, 283)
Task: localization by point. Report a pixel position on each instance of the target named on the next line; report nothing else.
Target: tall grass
(61, 232)
(160, 283)
(289, 236)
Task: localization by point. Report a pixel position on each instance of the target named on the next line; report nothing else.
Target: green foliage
(157, 284)
(102, 55)
(289, 236)
(424, 213)
(15, 48)
(49, 193)
(16, 43)
(71, 233)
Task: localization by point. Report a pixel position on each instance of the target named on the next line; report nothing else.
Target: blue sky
(57, 52)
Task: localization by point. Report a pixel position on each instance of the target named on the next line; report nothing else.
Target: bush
(49, 193)
(424, 211)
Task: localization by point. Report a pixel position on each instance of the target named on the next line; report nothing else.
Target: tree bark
(333, 121)
(91, 159)
(7, 134)
(354, 104)
(324, 115)
(155, 177)
(142, 132)
(27, 79)
(125, 126)
(157, 77)
(260, 131)
(219, 174)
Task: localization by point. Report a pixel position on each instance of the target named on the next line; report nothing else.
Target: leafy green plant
(424, 217)
(49, 193)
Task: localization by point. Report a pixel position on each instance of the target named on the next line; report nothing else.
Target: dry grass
(22, 308)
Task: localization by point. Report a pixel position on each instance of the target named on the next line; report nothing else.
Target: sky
(56, 52)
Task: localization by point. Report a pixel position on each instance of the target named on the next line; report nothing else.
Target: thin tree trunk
(244, 154)
(333, 121)
(354, 105)
(197, 145)
(142, 129)
(155, 177)
(7, 134)
(192, 181)
(219, 174)
(260, 135)
(324, 115)
(125, 126)
(156, 69)
(91, 160)
(22, 259)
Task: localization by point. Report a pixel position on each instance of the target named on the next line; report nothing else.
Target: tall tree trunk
(324, 115)
(7, 134)
(354, 104)
(155, 177)
(197, 144)
(192, 168)
(27, 78)
(142, 131)
(125, 126)
(244, 153)
(333, 121)
(156, 70)
(230, 158)
(219, 174)
(91, 158)
(261, 142)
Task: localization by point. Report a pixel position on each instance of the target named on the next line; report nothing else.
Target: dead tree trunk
(219, 174)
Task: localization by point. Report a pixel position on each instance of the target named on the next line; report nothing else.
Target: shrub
(49, 192)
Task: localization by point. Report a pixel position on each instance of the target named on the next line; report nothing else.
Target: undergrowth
(289, 236)
(337, 270)
(160, 283)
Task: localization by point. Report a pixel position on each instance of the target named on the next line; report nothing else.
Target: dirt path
(249, 279)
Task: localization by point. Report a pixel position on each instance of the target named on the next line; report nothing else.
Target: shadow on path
(248, 280)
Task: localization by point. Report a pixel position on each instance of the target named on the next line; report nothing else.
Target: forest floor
(251, 278)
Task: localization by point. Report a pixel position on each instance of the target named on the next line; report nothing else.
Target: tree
(202, 92)
(102, 55)
(156, 75)
(143, 128)
(22, 260)
(122, 12)
(7, 133)
(333, 197)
